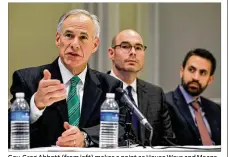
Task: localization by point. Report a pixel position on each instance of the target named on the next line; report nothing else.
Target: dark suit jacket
(151, 103)
(46, 130)
(183, 125)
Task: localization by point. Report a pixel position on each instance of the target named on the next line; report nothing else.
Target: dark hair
(204, 54)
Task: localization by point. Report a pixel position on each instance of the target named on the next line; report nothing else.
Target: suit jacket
(46, 130)
(151, 103)
(183, 124)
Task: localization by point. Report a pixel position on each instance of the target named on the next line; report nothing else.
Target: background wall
(169, 30)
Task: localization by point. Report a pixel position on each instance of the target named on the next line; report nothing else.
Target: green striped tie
(73, 102)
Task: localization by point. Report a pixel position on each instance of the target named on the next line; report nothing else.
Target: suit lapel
(142, 105)
(61, 105)
(184, 110)
(91, 96)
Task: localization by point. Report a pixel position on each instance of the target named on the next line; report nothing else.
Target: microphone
(124, 98)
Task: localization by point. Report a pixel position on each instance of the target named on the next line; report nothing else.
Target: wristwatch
(86, 139)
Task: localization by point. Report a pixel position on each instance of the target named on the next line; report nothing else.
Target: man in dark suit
(195, 119)
(48, 88)
(127, 55)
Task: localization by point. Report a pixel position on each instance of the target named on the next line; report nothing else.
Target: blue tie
(134, 117)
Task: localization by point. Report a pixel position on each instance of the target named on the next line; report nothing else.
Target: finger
(67, 138)
(46, 83)
(66, 144)
(66, 125)
(57, 94)
(53, 88)
(47, 75)
(53, 100)
(72, 130)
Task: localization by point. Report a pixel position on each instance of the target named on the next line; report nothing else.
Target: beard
(193, 91)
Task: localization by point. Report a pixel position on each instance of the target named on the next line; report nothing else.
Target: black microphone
(124, 98)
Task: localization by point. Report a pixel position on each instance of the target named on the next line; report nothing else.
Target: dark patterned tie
(73, 102)
(204, 134)
(135, 120)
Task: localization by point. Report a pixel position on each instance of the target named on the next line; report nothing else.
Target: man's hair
(80, 11)
(201, 53)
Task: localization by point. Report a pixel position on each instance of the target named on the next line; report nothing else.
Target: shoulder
(169, 95)
(104, 78)
(209, 103)
(31, 71)
(149, 86)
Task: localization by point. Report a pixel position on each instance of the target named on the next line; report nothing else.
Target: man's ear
(111, 53)
(96, 44)
(211, 79)
(181, 71)
(57, 39)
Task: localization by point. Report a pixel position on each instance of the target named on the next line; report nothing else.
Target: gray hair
(80, 11)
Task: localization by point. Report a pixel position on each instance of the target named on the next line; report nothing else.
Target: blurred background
(169, 30)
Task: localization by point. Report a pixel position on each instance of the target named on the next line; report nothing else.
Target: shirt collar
(67, 75)
(133, 84)
(188, 98)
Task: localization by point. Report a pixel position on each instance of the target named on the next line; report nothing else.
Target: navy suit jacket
(183, 124)
(46, 130)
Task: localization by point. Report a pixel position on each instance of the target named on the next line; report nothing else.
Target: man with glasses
(127, 54)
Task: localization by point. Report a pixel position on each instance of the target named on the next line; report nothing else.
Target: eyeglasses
(126, 47)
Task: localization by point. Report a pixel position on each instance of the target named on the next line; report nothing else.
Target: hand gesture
(49, 91)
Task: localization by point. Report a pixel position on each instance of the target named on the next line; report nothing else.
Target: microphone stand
(128, 136)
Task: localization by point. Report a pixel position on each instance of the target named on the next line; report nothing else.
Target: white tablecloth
(135, 149)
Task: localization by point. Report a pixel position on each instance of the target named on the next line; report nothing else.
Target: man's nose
(196, 76)
(133, 50)
(75, 43)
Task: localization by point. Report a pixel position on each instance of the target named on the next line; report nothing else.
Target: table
(135, 149)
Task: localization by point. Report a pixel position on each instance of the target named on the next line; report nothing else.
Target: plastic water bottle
(20, 123)
(109, 120)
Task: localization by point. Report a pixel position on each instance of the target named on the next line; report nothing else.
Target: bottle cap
(110, 95)
(20, 95)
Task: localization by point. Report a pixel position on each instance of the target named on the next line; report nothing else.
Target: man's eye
(83, 37)
(140, 48)
(125, 46)
(203, 73)
(68, 35)
(191, 69)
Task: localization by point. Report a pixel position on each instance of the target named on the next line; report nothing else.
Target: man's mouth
(194, 85)
(72, 54)
(134, 61)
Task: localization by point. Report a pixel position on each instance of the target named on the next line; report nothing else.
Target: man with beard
(127, 55)
(195, 119)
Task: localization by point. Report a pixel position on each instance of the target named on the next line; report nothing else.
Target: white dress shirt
(125, 85)
(35, 113)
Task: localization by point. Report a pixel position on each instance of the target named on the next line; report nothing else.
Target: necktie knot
(74, 80)
(129, 88)
(196, 105)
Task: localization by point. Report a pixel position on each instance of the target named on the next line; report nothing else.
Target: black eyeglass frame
(114, 47)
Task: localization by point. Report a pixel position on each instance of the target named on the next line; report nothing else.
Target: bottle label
(110, 116)
(19, 116)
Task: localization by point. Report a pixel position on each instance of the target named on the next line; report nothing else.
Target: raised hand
(49, 91)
